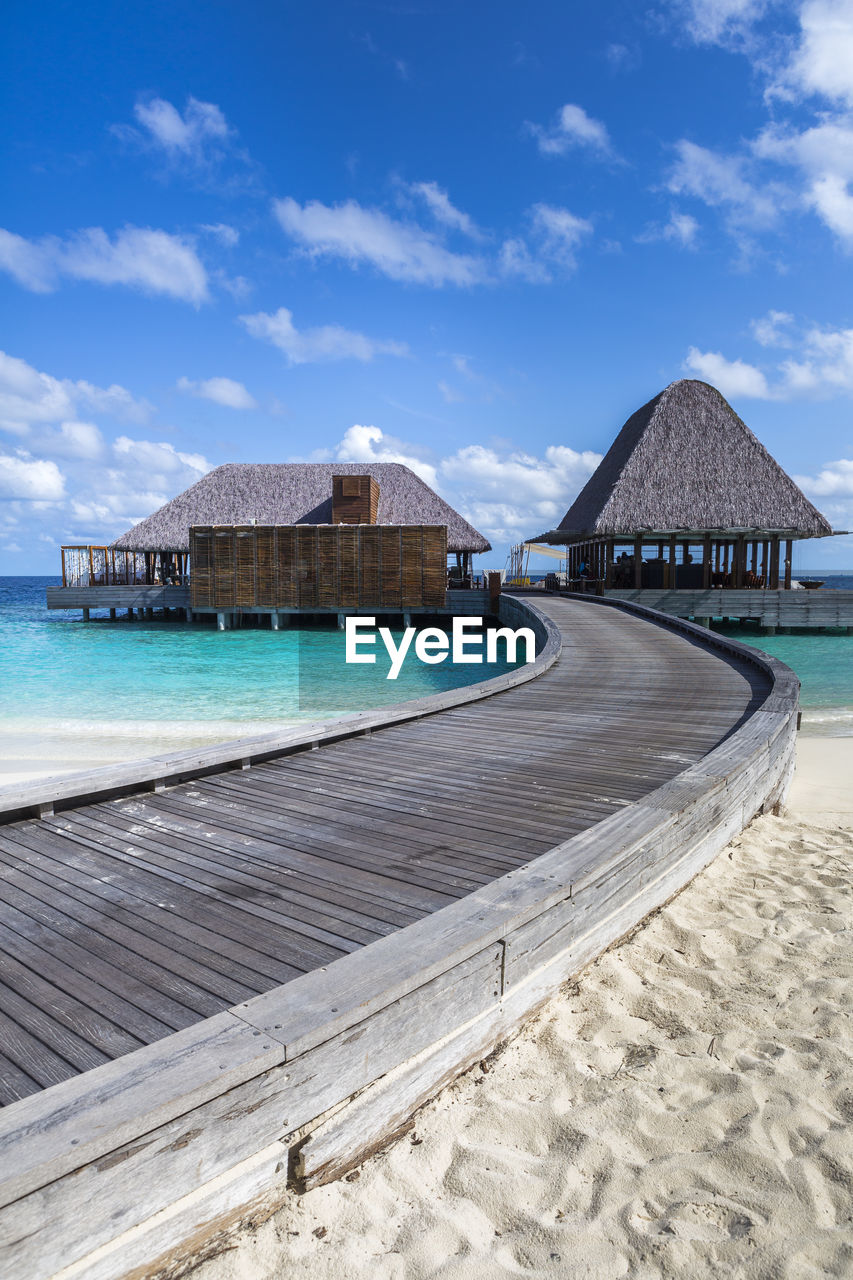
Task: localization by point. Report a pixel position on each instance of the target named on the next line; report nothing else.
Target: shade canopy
(687, 464)
(295, 493)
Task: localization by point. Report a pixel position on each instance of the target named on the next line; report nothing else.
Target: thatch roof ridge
(294, 493)
(685, 460)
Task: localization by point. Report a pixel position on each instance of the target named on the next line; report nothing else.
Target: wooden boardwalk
(123, 921)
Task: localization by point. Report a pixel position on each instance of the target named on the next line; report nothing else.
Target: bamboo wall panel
(412, 555)
(319, 566)
(369, 556)
(328, 576)
(390, 566)
(306, 565)
(348, 548)
(287, 594)
(435, 563)
(223, 568)
(265, 565)
(244, 565)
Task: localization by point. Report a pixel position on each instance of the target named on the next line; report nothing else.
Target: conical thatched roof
(686, 462)
(294, 493)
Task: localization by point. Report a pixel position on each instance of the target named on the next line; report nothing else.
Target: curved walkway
(124, 921)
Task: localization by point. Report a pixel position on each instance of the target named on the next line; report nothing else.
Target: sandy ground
(683, 1110)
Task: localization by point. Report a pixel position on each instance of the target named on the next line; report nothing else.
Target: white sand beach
(682, 1110)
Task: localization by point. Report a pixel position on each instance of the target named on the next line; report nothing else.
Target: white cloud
(821, 368)
(186, 134)
(515, 259)
(721, 182)
(559, 233)
(772, 330)
(28, 479)
(27, 262)
(438, 202)
(72, 440)
(449, 394)
(221, 231)
(326, 342)
(370, 444)
(400, 250)
(720, 21)
(509, 494)
(224, 391)
(141, 257)
(572, 128)
(826, 363)
(822, 61)
(506, 493)
(824, 156)
(28, 397)
(682, 229)
(731, 377)
(834, 480)
(158, 457)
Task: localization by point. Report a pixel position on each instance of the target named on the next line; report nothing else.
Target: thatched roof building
(291, 493)
(686, 463)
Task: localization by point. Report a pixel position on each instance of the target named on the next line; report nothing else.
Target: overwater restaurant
(282, 538)
(686, 498)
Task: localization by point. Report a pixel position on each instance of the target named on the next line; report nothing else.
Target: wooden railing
(92, 566)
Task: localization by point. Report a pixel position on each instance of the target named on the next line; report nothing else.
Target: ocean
(75, 695)
(823, 660)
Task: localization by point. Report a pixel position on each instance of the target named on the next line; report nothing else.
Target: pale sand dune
(683, 1110)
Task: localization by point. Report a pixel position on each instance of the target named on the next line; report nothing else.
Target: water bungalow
(688, 513)
(274, 539)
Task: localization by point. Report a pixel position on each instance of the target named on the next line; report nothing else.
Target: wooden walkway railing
(432, 881)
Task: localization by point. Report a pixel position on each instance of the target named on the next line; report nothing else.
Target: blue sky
(472, 237)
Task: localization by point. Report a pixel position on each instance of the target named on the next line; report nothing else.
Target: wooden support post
(130, 615)
(706, 565)
(740, 554)
(407, 621)
(774, 562)
(112, 615)
(672, 567)
(703, 622)
(608, 569)
(222, 621)
(638, 561)
(789, 551)
(274, 621)
(342, 621)
(85, 615)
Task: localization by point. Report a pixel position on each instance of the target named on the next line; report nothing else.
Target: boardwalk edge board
(168, 1147)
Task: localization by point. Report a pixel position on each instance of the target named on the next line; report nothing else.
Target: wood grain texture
(630, 783)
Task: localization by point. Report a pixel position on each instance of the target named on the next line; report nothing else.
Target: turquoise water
(75, 695)
(824, 663)
(823, 660)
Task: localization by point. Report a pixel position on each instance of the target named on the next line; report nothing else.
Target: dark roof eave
(565, 537)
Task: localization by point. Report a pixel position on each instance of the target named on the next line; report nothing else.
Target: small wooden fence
(102, 567)
(308, 566)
